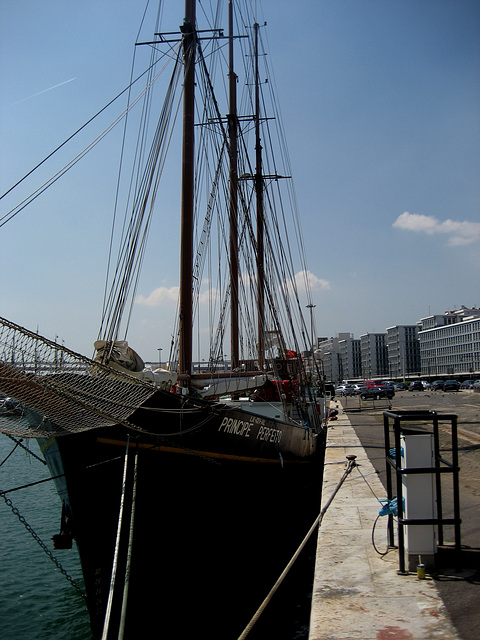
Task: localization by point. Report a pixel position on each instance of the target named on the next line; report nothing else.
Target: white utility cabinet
(419, 498)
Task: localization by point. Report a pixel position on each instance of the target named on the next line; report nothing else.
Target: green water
(36, 600)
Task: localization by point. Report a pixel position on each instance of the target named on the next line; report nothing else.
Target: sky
(381, 107)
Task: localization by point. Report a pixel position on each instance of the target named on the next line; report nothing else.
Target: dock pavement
(357, 592)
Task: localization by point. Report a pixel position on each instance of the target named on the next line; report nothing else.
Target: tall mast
(186, 253)
(260, 213)
(232, 133)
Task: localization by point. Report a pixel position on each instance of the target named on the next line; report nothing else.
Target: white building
(450, 343)
(403, 351)
(350, 359)
(374, 352)
(328, 351)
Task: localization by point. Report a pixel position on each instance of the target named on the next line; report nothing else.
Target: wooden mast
(232, 133)
(260, 213)
(186, 252)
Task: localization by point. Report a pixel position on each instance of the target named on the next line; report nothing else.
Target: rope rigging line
(30, 484)
(134, 244)
(18, 443)
(197, 426)
(61, 172)
(286, 161)
(350, 465)
(52, 153)
(285, 246)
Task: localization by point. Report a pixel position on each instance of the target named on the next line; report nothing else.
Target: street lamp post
(312, 332)
(311, 307)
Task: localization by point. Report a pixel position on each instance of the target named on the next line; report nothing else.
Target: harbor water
(37, 602)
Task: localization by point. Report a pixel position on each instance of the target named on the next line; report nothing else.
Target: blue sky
(381, 106)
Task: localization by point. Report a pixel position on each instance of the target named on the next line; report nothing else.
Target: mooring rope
(123, 615)
(117, 548)
(351, 464)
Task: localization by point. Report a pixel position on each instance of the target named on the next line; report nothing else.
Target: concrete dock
(357, 592)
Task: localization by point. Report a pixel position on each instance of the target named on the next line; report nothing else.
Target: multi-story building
(374, 354)
(328, 352)
(439, 345)
(403, 351)
(450, 343)
(350, 358)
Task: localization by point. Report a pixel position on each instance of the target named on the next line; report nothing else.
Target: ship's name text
(268, 434)
(243, 428)
(238, 427)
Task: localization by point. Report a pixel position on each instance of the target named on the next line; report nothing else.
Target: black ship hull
(220, 506)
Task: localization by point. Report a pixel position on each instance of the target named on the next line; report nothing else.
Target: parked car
(467, 384)
(400, 386)
(451, 385)
(438, 385)
(349, 390)
(339, 390)
(426, 385)
(416, 385)
(375, 393)
(372, 383)
(476, 385)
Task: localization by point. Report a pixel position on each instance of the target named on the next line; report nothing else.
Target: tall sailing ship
(187, 488)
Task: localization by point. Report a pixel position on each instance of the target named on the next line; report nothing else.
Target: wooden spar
(215, 375)
(232, 133)
(260, 213)
(186, 252)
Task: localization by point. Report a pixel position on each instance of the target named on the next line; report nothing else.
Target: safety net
(46, 389)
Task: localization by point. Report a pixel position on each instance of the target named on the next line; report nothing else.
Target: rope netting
(53, 390)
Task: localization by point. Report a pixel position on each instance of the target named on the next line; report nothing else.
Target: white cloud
(159, 296)
(304, 278)
(209, 296)
(167, 295)
(460, 233)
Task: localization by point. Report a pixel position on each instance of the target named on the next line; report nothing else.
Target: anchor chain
(40, 542)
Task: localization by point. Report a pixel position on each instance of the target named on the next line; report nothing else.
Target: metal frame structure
(393, 461)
